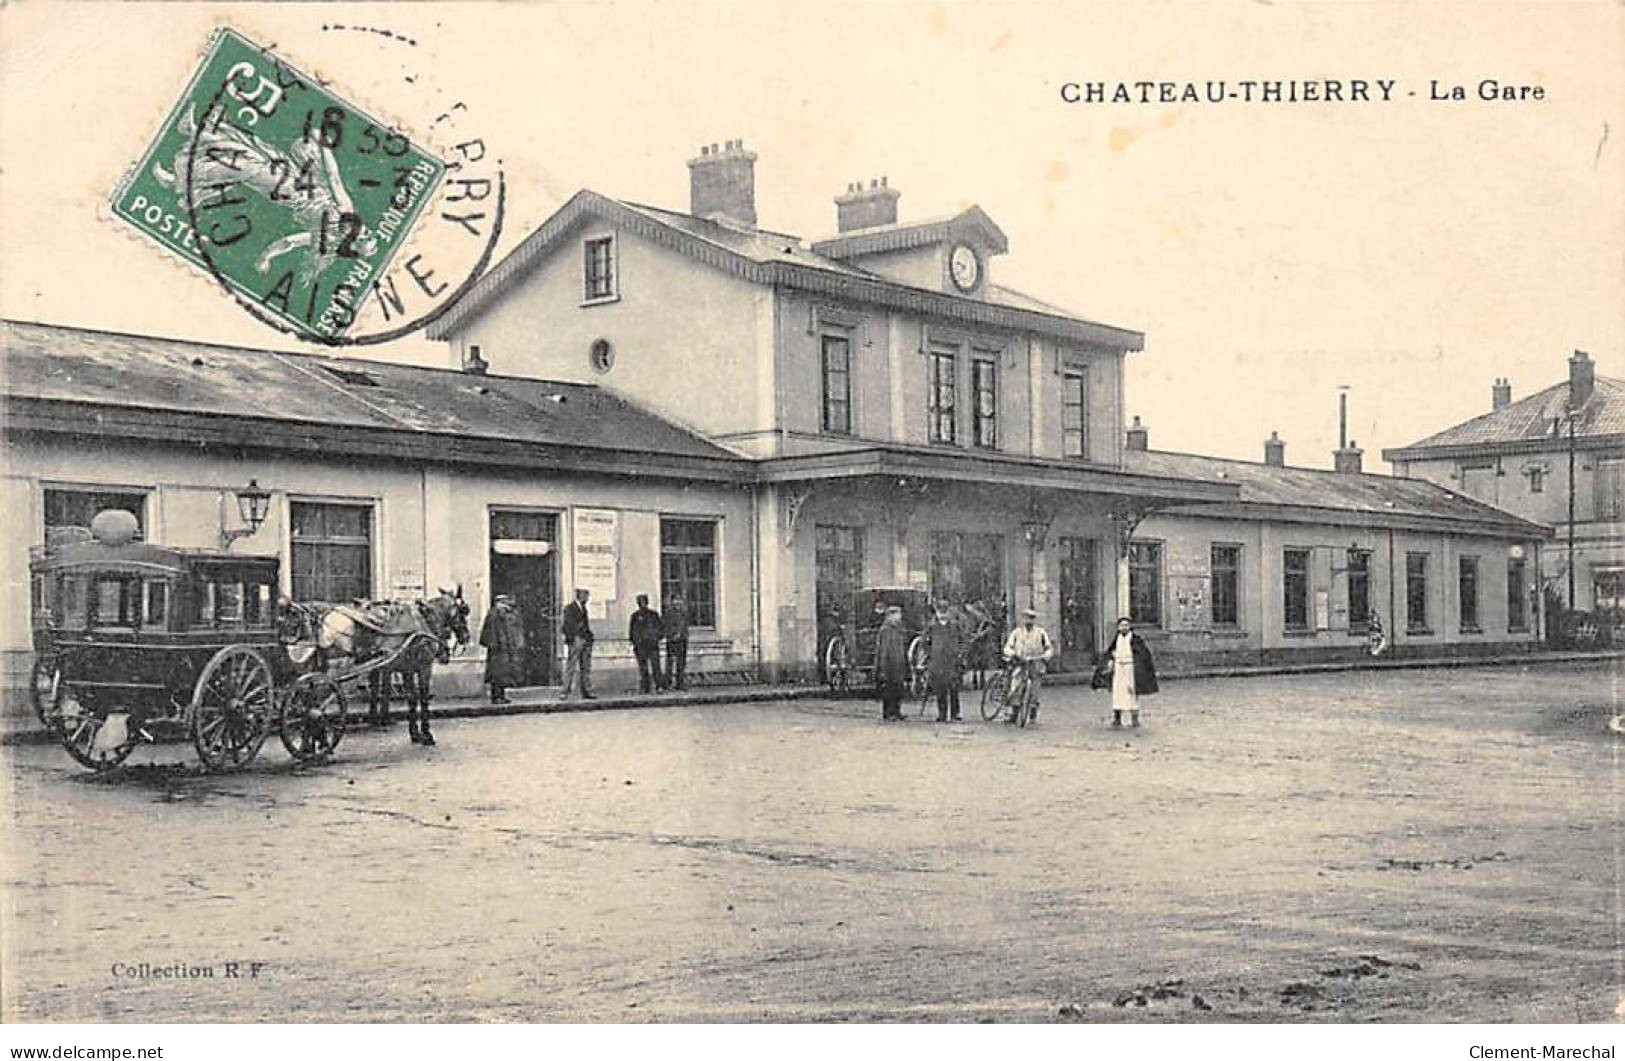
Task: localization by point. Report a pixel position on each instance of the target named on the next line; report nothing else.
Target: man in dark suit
(644, 632)
(577, 631)
(676, 633)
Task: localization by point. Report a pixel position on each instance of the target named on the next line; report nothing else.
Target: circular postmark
(321, 220)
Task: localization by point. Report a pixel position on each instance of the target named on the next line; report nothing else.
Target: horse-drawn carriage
(849, 652)
(136, 643)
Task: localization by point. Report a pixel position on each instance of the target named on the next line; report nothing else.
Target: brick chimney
(1582, 379)
(722, 183)
(1346, 457)
(1500, 394)
(1274, 451)
(862, 207)
(1137, 436)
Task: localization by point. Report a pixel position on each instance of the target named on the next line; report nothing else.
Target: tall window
(1295, 588)
(1610, 489)
(835, 359)
(984, 381)
(1359, 563)
(1416, 592)
(1074, 403)
(944, 378)
(1537, 481)
(1517, 590)
(688, 565)
(1226, 590)
(599, 268)
(76, 508)
(332, 551)
(1145, 582)
(967, 567)
(1467, 584)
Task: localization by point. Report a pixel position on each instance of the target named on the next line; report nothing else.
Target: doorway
(524, 565)
(838, 570)
(1079, 604)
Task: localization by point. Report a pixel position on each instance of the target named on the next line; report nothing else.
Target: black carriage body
(132, 626)
(869, 607)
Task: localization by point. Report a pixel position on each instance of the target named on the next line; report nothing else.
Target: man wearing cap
(891, 664)
(1029, 644)
(644, 633)
(503, 636)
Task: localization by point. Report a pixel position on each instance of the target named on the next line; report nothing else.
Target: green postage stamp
(294, 199)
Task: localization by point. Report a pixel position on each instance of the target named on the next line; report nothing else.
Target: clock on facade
(964, 266)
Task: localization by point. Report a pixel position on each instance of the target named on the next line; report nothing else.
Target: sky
(1412, 251)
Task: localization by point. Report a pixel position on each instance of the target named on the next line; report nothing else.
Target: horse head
(450, 612)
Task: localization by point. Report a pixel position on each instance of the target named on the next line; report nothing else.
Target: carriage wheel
(919, 674)
(837, 665)
(232, 708)
(80, 728)
(313, 718)
(993, 692)
(42, 689)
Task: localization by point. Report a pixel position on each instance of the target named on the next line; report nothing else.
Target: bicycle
(996, 694)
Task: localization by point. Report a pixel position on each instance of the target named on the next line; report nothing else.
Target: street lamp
(253, 503)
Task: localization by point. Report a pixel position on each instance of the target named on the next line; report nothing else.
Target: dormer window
(598, 270)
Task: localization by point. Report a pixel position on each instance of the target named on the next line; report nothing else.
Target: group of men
(1028, 643)
(504, 639)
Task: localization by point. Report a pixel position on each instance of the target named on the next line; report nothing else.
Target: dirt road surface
(1399, 846)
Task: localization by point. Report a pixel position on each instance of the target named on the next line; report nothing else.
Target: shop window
(1295, 589)
(1467, 592)
(944, 365)
(598, 269)
(1359, 582)
(332, 551)
(1145, 583)
(1416, 592)
(1225, 573)
(1517, 595)
(1074, 415)
(984, 380)
(688, 565)
(1608, 590)
(835, 365)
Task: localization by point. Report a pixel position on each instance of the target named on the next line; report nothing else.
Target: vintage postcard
(713, 513)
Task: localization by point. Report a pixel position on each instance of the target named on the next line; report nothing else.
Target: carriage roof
(139, 559)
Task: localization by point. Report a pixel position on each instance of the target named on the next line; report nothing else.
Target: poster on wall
(594, 534)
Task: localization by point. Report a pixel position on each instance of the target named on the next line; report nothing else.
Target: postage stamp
(294, 198)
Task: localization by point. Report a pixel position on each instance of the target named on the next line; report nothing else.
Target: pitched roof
(440, 410)
(905, 234)
(1529, 421)
(1357, 499)
(773, 258)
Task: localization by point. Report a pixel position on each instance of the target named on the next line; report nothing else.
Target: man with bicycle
(1025, 652)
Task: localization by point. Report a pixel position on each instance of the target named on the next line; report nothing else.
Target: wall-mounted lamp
(253, 503)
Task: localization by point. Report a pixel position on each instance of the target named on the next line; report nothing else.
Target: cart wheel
(80, 728)
(993, 692)
(313, 718)
(837, 665)
(232, 708)
(919, 676)
(42, 689)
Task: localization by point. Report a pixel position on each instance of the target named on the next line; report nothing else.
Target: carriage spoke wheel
(919, 675)
(837, 665)
(993, 692)
(232, 708)
(43, 690)
(313, 718)
(79, 729)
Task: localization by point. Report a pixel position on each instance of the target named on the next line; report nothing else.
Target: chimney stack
(1582, 379)
(1500, 394)
(862, 207)
(1137, 436)
(1274, 451)
(722, 183)
(1347, 456)
(474, 364)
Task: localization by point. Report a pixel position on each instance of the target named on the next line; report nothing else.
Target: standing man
(577, 631)
(947, 648)
(503, 636)
(891, 664)
(1133, 673)
(644, 632)
(675, 628)
(1028, 647)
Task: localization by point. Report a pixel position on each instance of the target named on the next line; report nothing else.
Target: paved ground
(1431, 845)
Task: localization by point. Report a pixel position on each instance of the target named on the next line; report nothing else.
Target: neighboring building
(1309, 564)
(1558, 451)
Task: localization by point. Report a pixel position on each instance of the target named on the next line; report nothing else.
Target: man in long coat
(644, 633)
(503, 636)
(947, 652)
(891, 664)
